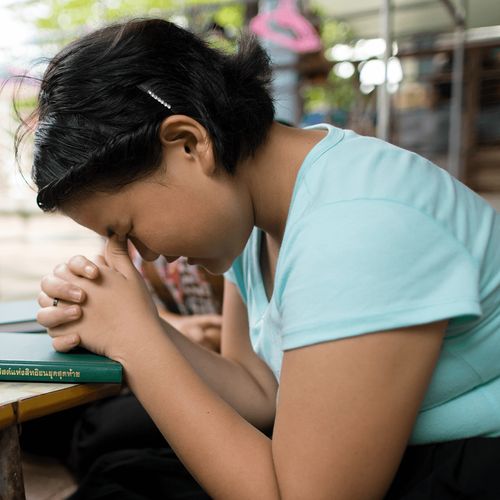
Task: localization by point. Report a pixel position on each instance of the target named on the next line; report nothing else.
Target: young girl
(361, 308)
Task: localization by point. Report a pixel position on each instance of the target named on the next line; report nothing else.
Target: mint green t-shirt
(379, 238)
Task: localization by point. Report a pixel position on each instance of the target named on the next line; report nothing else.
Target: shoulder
(359, 167)
(365, 265)
(364, 172)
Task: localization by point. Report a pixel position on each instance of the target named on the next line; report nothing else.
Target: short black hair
(98, 129)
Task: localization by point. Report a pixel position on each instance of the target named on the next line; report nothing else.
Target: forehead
(100, 211)
(138, 201)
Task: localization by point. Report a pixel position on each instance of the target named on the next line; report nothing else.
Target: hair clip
(154, 96)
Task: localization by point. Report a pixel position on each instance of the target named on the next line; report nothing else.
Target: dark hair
(97, 127)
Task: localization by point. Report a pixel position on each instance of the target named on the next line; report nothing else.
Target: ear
(190, 139)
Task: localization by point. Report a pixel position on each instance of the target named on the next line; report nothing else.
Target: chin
(213, 266)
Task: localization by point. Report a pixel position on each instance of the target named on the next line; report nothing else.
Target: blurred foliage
(333, 32)
(335, 92)
(230, 16)
(26, 103)
(227, 22)
(60, 21)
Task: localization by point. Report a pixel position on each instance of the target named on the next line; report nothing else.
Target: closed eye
(110, 232)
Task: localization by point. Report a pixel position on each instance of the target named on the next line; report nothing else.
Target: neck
(271, 174)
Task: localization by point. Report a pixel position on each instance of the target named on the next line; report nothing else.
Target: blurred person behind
(186, 296)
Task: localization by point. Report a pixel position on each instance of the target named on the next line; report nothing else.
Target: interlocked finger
(55, 286)
(62, 340)
(52, 316)
(65, 343)
(44, 300)
(81, 266)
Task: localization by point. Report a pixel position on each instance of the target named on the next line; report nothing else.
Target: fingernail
(73, 312)
(74, 340)
(90, 271)
(76, 294)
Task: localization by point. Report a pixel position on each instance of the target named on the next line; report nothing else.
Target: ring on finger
(55, 302)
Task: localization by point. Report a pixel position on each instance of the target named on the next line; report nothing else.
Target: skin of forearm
(253, 396)
(228, 456)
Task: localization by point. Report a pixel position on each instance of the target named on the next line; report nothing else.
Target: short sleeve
(355, 267)
(230, 275)
(236, 276)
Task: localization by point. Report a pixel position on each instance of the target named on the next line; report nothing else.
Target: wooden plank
(487, 156)
(11, 392)
(7, 416)
(74, 395)
(19, 402)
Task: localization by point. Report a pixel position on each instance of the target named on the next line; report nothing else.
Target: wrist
(139, 345)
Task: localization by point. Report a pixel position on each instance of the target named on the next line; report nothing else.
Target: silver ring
(55, 302)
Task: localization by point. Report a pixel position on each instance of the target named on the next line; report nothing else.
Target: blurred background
(422, 74)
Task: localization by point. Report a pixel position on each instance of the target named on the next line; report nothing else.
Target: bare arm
(345, 414)
(345, 410)
(238, 375)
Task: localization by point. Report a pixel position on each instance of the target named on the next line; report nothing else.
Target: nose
(146, 254)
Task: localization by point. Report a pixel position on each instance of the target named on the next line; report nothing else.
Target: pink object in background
(303, 37)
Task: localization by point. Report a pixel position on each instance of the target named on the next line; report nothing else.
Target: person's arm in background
(204, 329)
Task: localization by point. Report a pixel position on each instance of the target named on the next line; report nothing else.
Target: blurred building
(428, 69)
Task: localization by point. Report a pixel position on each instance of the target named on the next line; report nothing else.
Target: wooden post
(474, 64)
(11, 472)
(383, 97)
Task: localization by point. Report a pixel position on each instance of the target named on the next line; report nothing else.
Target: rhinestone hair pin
(154, 96)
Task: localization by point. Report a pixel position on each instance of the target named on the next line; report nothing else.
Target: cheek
(227, 231)
(216, 233)
(214, 226)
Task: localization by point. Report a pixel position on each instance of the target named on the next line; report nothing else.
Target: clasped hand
(103, 306)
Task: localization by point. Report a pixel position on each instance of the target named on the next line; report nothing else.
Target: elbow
(262, 416)
(298, 489)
